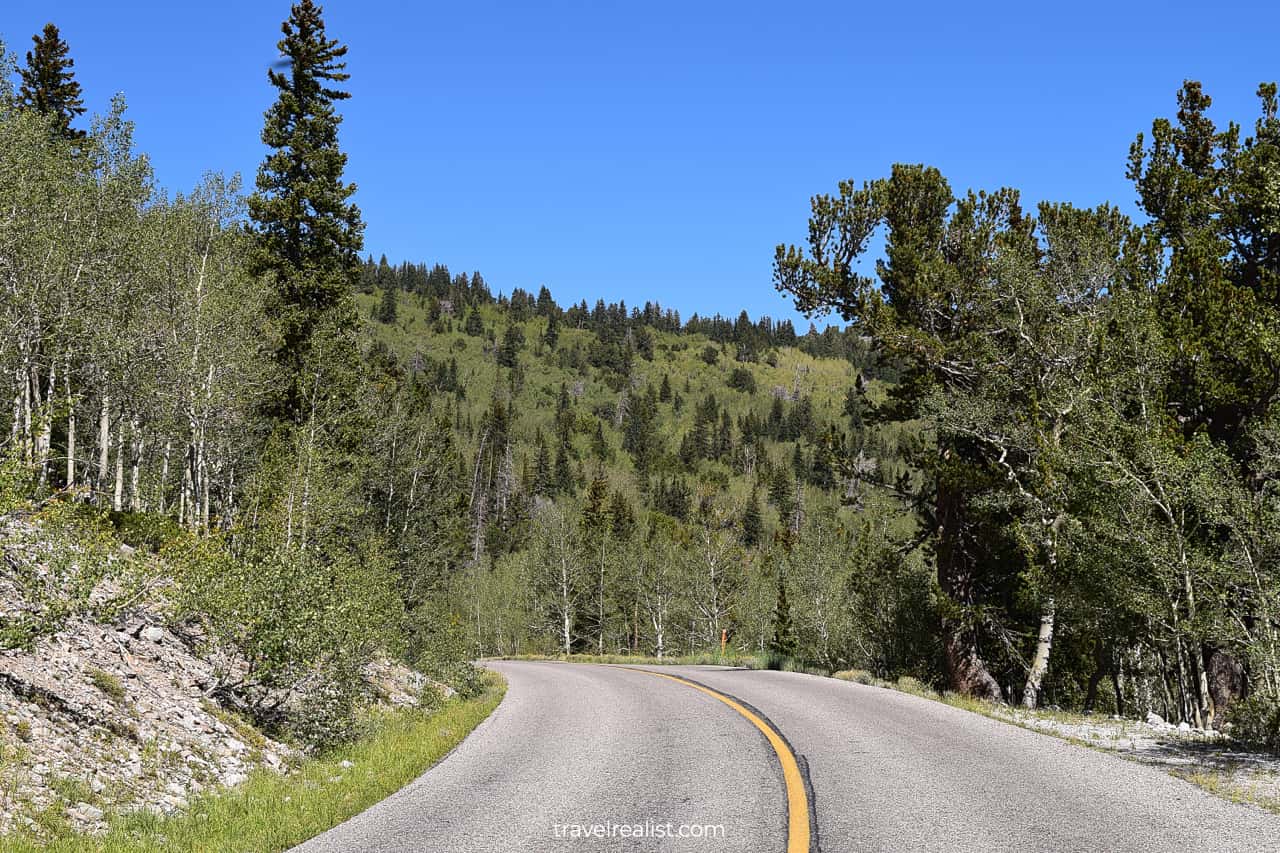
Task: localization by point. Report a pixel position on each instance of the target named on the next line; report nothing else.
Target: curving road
(645, 762)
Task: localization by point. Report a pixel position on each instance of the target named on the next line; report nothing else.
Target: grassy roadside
(746, 661)
(271, 812)
(1222, 778)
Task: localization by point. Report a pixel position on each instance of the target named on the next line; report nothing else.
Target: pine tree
(308, 233)
(542, 482)
(387, 308)
(552, 335)
(563, 475)
(512, 343)
(622, 519)
(783, 642)
(752, 522)
(49, 85)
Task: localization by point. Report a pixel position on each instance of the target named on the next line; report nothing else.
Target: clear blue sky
(657, 150)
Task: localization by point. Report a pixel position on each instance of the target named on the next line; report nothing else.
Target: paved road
(590, 745)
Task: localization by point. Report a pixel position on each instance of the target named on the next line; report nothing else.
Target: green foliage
(275, 811)
(388, 307)
(308, 235)
(304, 624)
(49, 85)
(109, 684)
(783, 643)
(742, 379)
(1256, 721)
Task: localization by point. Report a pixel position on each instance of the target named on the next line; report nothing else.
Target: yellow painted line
(797, 798)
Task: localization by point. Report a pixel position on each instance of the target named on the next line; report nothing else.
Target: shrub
(304, 623)
(743, 379)
(1256, 721)
(914, 686)
(859, 676)
(144, 530)
(108, 684)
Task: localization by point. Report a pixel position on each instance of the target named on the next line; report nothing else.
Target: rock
(344, 764)
(1184, 726)
(1154, 719)
(153, 633)
(86, 812)
(233, 779)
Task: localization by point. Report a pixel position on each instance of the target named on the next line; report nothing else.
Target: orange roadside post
(724, 638)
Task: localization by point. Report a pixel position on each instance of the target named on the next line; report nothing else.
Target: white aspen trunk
(1204, 705)
(1040, 663)
(566, 608)
(104, 442)
(205, 479)
(26, 411)
(15, 426)
(184, 493)
(658, 632)
(44, 440)
(117, 494)
(71, 429)
(164, 476)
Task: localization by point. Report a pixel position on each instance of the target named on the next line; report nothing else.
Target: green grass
(271, 812)
(108, 684)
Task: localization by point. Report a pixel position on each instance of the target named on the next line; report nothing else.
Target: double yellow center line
(798, 830)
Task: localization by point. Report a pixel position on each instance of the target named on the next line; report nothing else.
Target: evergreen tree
(552, 335)
(308, 234)
(563, 474)
(622, 519)
(752, 522)
(474, 324)
(387, 307)
(512, 343)
(543, 484)
(783, 642)
(49, 85)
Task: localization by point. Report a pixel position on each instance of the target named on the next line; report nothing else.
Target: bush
(743, 379)
(1256, 721)
(438, 649)
(303, 622)
(144, 530)
(859, 676)
(108, 684)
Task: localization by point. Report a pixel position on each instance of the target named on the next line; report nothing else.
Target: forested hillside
(1037, 465)
(628, 482)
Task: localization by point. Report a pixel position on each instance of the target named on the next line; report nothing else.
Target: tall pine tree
(49, 85)
(308, 233)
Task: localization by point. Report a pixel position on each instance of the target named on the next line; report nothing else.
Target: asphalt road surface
(599, 758)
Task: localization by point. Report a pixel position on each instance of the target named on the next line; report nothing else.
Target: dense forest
(1036, 465)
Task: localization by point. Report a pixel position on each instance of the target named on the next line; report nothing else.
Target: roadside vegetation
(273, 812)
(1037, 466)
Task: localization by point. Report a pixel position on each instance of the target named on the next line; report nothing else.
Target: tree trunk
(135, 465)
(1226, 677)
(71, 430)
(104, 443)
(117, 494)
(967, 673)
(1040, 663)
(1099, 670)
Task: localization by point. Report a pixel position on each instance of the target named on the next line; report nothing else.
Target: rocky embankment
(114, 713)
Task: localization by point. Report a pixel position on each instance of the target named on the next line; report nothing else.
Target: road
(640, 758)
